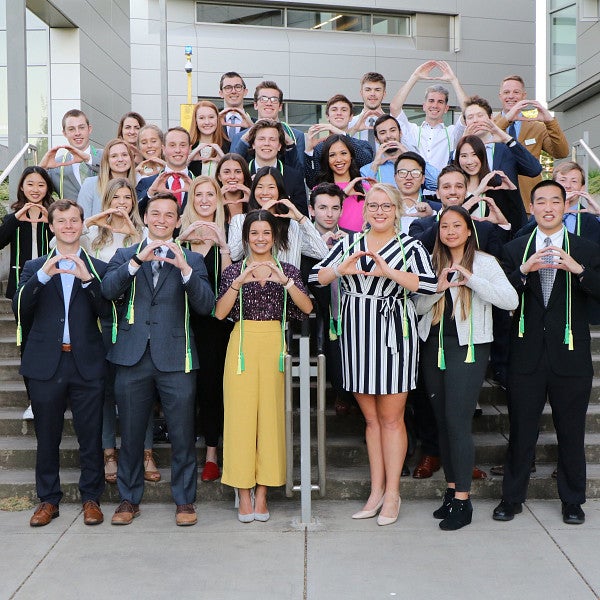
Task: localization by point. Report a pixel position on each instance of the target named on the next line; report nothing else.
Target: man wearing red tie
(175, 177)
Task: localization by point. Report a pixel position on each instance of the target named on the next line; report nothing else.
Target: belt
(66, 347)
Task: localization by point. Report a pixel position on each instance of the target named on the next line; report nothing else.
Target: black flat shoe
(459, 515)
(572, 514)
(506, 511)
(405, 471)
(444, 509)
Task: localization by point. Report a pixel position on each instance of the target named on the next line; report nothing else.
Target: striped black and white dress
(376, 357)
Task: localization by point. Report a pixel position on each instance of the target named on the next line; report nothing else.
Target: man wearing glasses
(268, 102)
(233, 90)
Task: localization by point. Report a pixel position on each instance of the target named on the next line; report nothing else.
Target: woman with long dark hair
(233, 176)
(296, 232)
(456, 329)
(259, 295)
(338, 165)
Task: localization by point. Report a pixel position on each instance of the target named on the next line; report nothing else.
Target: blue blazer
(515, 161)
(142, 187)
(43, 307)
(159, 312)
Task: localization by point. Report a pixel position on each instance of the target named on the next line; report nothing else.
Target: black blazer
(43, 306)
(12, 228)
(545, 326)
(491, 237)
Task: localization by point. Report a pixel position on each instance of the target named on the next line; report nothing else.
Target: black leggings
(453, 394)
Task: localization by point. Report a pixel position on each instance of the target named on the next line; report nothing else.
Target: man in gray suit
(155, 351)
(79, 158)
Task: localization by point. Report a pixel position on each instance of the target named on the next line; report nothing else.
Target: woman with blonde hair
(209, 143)
(150, 143)
(203, 229)
(379, 269)
(117, 161)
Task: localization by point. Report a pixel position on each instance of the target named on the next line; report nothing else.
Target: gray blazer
(159, 312)
(70, 185)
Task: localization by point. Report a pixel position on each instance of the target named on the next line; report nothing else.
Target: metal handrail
(16, 159)
(588, 153)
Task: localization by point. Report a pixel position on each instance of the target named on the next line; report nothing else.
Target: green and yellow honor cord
(45, 249)
(95, 274)
(335, 325)
(130, 314)
(241, 366)
(568, 338)
(470, 358)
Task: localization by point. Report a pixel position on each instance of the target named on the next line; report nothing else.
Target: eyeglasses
(271, 99)
(238, 87)
(374, 207)
(414, 173)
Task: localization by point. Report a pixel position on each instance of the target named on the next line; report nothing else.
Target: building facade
(574, 76)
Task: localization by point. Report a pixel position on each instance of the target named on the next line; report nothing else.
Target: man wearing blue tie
(155, 351)
(64, 359)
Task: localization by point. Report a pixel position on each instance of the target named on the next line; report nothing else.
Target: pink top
(351, 218)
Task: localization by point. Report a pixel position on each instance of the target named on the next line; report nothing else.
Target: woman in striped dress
(378, 334)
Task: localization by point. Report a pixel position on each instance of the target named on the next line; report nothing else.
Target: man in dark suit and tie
(556, 274)
(175, 177)
(64, 358)
(155, 351)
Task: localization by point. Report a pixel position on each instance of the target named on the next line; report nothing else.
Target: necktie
(84, 171)
(371, 132)
(176, 187)
(231, 130)
(512, 131)
(156, 266)
(547, 275)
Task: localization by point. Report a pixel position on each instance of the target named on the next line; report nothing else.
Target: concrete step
(342, 483)
(8, 325)
(13, 394)
(9, 369)
(18, 452)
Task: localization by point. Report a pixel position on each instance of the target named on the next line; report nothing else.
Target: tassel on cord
(470, 354)
(441, 359)
(282, 362)
(521, 323)
(19, 335)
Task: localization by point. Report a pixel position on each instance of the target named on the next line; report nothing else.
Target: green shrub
(594, 181)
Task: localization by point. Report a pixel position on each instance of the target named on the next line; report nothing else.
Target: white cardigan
(490, 287)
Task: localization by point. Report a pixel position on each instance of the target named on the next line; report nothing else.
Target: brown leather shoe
(185, 515)
(43, 514)
(92, 515)
(125, 513)
(427, 467)
(110, 465)
(151, 472)
(479, 473)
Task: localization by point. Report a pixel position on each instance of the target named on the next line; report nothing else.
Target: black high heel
(444, 509)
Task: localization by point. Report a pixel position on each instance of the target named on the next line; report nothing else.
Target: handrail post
(305, 462)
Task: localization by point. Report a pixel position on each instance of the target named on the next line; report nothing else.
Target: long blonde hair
(394, 196)
(105, 235)
(190, 215)
(104, 175)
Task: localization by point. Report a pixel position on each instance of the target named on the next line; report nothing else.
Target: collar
(181, 172)
(557, 238)
(149, 241)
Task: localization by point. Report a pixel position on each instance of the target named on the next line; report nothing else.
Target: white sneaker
(28, 414)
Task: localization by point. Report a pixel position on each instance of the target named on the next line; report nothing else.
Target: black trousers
(49, 402)
(569, 398)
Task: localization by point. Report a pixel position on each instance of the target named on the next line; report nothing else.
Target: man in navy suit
(64, 357)
(175, 177)
(155, 351)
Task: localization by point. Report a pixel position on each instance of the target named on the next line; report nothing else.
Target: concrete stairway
(347, 464)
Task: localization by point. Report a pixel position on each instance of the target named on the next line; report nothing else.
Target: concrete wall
(496, 39)
(90, 62)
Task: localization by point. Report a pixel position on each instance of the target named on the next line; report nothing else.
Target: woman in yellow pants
(259, 295)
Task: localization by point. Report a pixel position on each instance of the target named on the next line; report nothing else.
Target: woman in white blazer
(456, 330)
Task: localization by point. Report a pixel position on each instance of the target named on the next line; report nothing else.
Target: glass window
(563, 38)
(239, 15)
(327, 21)
(389, 25)
(304, 114)
(562, 82)
(37, 100)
